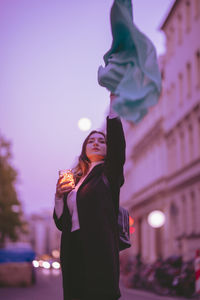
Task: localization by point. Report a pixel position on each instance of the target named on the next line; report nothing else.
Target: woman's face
(96, 147)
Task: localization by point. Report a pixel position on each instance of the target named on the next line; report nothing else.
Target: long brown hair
(83, 165)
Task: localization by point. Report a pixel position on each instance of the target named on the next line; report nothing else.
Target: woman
(88, 217)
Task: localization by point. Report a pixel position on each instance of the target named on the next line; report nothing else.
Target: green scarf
(131, 70)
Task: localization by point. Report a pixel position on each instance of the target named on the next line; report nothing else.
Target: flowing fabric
(131, 70)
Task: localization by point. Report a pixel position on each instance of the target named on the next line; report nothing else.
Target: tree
(11, 223)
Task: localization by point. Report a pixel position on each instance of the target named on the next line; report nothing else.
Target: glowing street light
(84, 124)
(156, 219)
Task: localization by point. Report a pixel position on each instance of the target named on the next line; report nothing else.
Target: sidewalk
(132, 294)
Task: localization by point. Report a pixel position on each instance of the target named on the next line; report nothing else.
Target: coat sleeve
(62, 219)
(115, 158)
(58, 221)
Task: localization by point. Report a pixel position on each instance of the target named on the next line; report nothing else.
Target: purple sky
(49, 55)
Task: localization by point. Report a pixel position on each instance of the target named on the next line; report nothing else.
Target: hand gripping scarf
(131, 70)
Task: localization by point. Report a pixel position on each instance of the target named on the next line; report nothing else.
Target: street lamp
(84, 124)
(156, 219)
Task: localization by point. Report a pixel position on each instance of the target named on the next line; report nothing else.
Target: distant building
(44, 236)
(162, 170)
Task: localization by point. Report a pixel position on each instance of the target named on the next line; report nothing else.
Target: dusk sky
(49, 56)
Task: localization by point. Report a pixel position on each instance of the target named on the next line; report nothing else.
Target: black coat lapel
(94, 171)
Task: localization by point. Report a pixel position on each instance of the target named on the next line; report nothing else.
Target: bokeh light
(84, 124)
(156, 219)
(46, 265)
(132, 230)
(131, 221)
(35, 263)
(56, 265)
(56, 253)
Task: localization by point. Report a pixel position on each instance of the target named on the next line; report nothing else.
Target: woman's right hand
(62, 188)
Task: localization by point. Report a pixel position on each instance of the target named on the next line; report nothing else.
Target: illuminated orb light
(35, 263)
(46, 265)
(156, 219)
(84, 124)
(56, 265)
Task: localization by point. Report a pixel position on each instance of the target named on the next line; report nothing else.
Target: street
(49, 287)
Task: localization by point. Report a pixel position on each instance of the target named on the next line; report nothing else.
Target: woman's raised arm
(116, 145)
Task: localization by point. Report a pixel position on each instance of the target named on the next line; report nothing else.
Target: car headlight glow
(56, 265)
(35, 263)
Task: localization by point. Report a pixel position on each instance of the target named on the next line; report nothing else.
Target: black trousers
(96, 298)
(77, 270)
(77, 266)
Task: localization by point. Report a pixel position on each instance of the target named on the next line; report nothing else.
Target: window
(198, 68)
(183, 200)
(168, 96)
(172, 98)
(182, 143)
(173, 91)
(174, 214)
(168, 43)
(169, 153)
(193, 208)
(174, 95)
(198, 136)
(188, 15)
(180, 30)
(172, 40)
(174, 154)
(189, 81)
(191, 141)
(180, 82)
(197, 8)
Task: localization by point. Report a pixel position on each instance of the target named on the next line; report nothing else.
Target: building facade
(162, 170)
(44, 237)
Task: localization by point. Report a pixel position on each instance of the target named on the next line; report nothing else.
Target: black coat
(98, 205)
